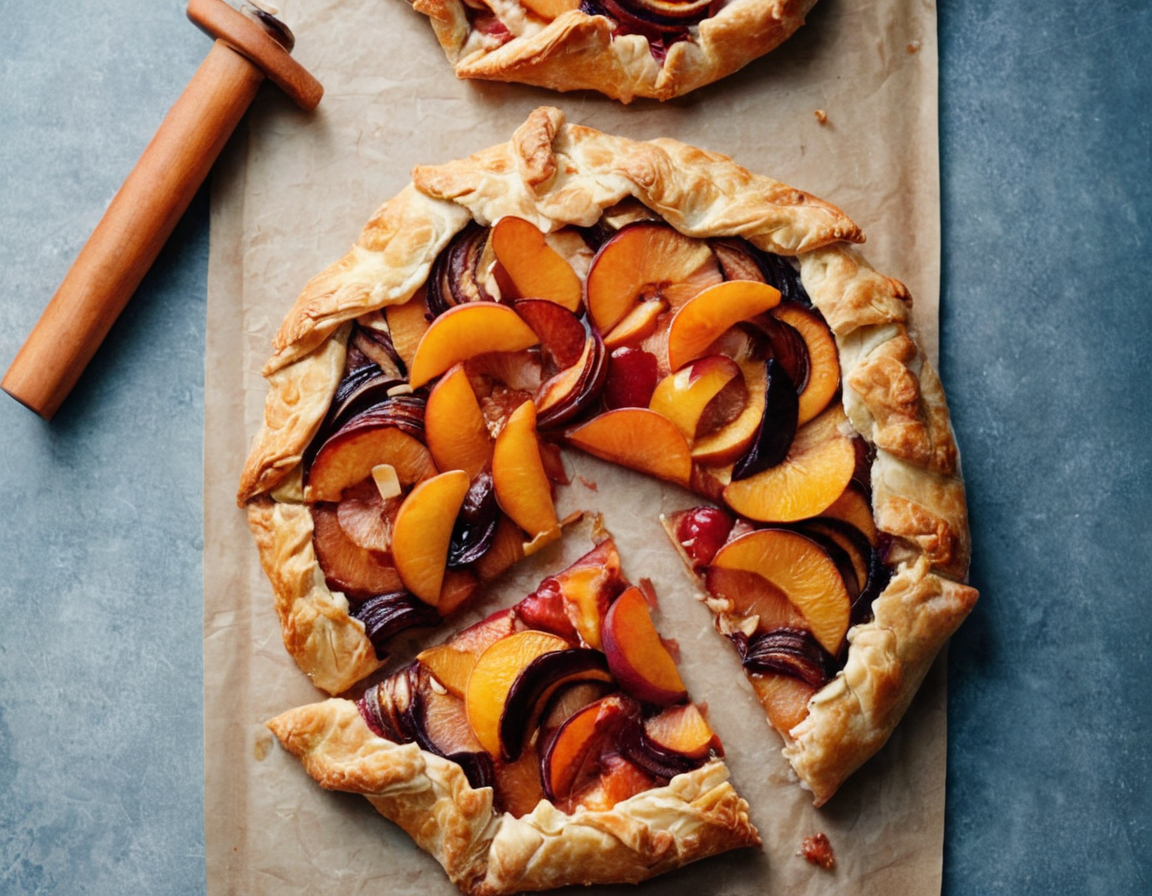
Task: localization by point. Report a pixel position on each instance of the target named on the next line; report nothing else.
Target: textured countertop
(1046, 150)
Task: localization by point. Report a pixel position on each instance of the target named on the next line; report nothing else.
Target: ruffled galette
(622, 48)
(661, 308)
(553, 743)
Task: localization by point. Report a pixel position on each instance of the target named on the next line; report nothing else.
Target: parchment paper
(291, 195)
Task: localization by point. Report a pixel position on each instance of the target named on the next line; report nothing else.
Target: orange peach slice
(454, 426)
(683, 395)
(350, 456)
(637, 657)
(407, 323)
(804, 573)
(637, 325)
(492, 678)
(783, 698)
(643, 262)
(423, 530)
(731, 442)
(549, 9)
(705, 318)
(522, 486)
(854, 508)
(639, 439)
(465, 331)
(815, 473)
(683, 730)
(452, 661)
(823, 359)
(751, 596)
(536, 270)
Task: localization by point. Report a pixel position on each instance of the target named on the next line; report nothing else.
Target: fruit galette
(553, 743)
(622, 48)
(661, 308)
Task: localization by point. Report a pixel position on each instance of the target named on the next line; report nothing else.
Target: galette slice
(552, 743)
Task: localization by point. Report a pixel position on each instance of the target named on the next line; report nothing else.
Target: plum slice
(777, 424)
(455, 278)
(673, 742)
(536, 684)
(632, 377)
(347, 567)
(700, 533)
(791, 651)
(572, 758)
(475, 527)
(441, 727)
(386, 615)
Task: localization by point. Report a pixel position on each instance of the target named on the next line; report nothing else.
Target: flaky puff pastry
(578, 51)
(557, 174)
(486, 853)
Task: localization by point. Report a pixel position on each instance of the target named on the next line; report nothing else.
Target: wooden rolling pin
(250, 46)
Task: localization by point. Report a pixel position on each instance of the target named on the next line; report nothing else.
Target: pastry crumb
(913, 47)
(818, 851)
(588, 484)
(821, 116)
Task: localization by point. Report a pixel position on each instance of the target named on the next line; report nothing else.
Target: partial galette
(552, 743)
(661, 308)
(622, 48)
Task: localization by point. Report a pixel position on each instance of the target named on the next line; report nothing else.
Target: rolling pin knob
(153, 198)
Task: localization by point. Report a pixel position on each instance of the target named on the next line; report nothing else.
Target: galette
(661, 308)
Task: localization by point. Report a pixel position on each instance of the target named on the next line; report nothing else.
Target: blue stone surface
(1046, 147)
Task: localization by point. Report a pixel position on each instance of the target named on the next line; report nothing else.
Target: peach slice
(549, 10)
(751, 596)
(617, 779)
(587, 588)
(683, 730)
(535, 269)
(731, 442)
(705, 318)
(683, 396)
(639, 439)
(815, 473)
(349, 457)
(642, 262)
(517, 787)
(823, 358)
(423, 530)
(854, 508)
(407, 323)
(637, 657)
(490, 680)
(783, 698)
(454, 426)
(465, 331)
(571, 760)
(522, 485)
(451, 663)
(637, 325)
(804, 573)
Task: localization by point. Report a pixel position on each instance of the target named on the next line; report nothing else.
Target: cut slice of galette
(552, 743)
(663, 309)
(622, 48)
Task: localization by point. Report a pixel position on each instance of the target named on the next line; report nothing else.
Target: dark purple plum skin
(777, 426)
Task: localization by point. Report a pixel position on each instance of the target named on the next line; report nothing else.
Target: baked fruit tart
(552, 743)
(622, 48)
(661, 308)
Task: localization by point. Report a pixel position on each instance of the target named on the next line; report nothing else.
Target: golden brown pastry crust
(484, 853)
(556, 174)
(577, 51)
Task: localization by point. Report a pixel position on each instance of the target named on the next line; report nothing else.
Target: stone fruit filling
(701, 362)
(569, 696)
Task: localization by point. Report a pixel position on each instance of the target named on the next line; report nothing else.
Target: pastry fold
(485, 853)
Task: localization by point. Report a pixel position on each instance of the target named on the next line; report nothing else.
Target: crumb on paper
(818, 851)
(588, 484)
(821, 116)
(913, 47)
(262, 747)
(649, 592)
